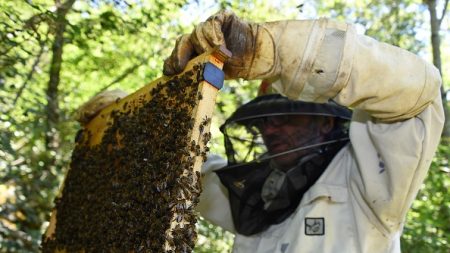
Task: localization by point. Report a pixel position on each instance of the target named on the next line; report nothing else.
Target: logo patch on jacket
(314, 226)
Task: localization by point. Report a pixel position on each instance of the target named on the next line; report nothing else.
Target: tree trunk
(435, 23)
(52, 110)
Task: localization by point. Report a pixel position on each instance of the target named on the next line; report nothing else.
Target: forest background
(56, 54)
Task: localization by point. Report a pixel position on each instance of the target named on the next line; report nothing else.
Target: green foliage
(212, 238)
(29, 187)
(427, 228)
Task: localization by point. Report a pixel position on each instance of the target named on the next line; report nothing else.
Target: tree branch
(435, 45)
(443, 13)
(52, 108)
(31, 23)
(64, 7)
(127, 72)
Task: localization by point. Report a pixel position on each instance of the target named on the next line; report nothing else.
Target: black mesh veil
(243, 141)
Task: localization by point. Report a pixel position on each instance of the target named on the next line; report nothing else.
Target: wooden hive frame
(104, 136)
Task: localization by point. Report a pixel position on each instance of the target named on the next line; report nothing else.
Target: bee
(197, 150)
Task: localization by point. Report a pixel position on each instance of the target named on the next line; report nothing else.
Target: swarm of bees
(126, 194)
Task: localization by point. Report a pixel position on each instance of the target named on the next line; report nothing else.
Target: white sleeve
(392, 160)
(214, 205)
(359, 72)
(398, 115)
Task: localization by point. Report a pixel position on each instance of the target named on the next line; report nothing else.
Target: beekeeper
(297, 179)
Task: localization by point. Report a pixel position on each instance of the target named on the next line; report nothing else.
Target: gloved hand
(92, 107)
(252, 46)
(283, 50)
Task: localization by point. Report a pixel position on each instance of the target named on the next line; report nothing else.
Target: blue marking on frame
(213, 75)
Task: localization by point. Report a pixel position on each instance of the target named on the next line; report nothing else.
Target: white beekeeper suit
(360, 202)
